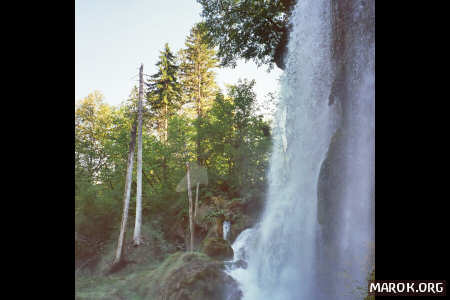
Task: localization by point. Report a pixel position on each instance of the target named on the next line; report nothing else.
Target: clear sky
(112, 38)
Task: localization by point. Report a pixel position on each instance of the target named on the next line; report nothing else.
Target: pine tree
(198, 79)
(164, 90)
(199, 88)
(164, 96)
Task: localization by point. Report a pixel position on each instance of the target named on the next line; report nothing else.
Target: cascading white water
(290, 254)
(226, 229)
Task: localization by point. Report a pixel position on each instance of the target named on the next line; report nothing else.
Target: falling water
(315, 237)
(226, 229)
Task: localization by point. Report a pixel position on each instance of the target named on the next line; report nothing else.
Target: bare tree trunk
(199, 115)
(126, 198)
(165, 138)
(138, 221)
(196, 202)
(191, 223)
(166, 124)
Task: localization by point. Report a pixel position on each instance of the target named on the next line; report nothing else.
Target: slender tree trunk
(196, 202)
(199, 118)
(138, 221)
(165, 138)
(219, 226)
(164, 171)
(191, 223)
(166, 125)
(126, 198)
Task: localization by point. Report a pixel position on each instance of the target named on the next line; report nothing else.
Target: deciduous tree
(248, 29)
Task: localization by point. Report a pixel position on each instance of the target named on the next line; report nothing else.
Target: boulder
(193, 276)
(240, 264)
(239, 223)
(217, 248)
(181, 276)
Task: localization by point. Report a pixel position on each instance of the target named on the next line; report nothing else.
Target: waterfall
(226, 229)
(316, 233)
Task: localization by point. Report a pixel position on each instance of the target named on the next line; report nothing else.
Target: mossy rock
(239, 224)
(236, 213)
(198, 277)
(217, 248)
(181, 276)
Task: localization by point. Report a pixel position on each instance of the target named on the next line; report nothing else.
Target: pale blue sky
(112, 38)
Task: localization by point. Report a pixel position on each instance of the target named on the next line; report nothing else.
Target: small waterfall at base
(316, 234)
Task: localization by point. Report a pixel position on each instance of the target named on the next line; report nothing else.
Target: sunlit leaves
(248, 29)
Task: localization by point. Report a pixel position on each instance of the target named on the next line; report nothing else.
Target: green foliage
(248, 29)
(164, 84)
(222, 133)
(211, 216)
(191, 275)
(198, 78)
(247, 142)
(164, 90)
(217, 248)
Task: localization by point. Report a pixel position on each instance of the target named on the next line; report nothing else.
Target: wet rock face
(240, 264)
(329, 177)
(242, 214)
(217, 248)
(239, 224)
(281, 50)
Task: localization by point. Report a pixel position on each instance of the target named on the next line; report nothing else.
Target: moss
(239, 218)
(148, 255)
(195, 276)
(238, 224)
(217, 248)
(182, 275)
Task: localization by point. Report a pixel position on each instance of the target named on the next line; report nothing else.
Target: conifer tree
(199, 88)
(198, 79)
(164, 97)
(164, 90)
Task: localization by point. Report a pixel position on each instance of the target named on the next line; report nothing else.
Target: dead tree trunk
(191, 223)
(196, 202)
(165, 136)
(126, 199)
(138, 220)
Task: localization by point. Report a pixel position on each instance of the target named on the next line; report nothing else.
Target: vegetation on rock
(218, 248)
(187, 276)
